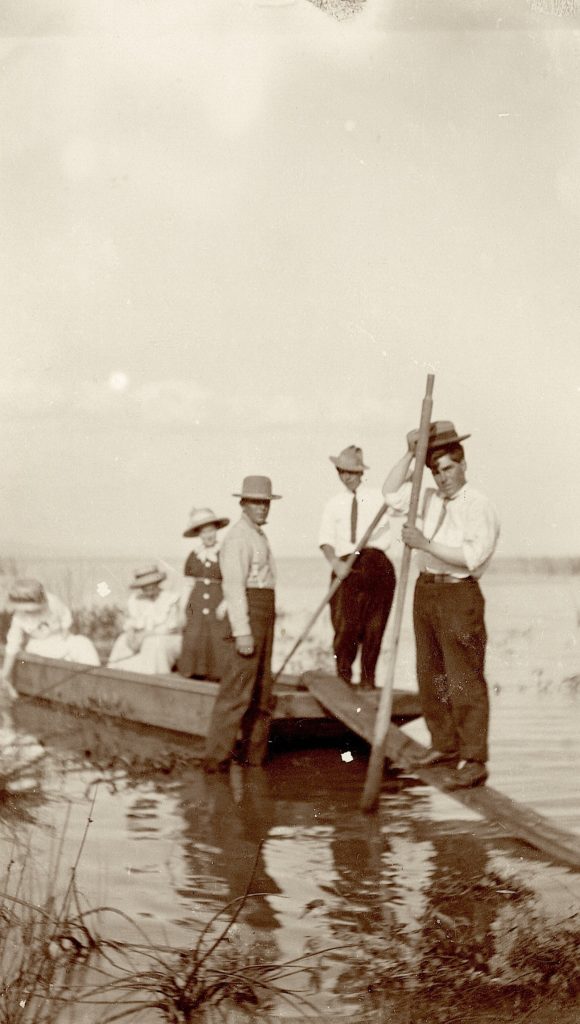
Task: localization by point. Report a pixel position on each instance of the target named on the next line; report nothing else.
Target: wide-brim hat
(200, 517)
(26, 595)
(350, 459)
(442, 434)
(257, 488)
(145, 577)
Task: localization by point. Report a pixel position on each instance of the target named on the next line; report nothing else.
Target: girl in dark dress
(204, 649)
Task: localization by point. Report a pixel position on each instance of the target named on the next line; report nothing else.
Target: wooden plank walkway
(357, 710)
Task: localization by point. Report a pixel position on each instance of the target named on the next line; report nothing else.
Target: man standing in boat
(359, 609)
(244, 700)
(459, 534)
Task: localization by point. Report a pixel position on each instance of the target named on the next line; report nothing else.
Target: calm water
(172, 851)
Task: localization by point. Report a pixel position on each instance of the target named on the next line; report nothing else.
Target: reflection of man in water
(463, 902)
(227, 821)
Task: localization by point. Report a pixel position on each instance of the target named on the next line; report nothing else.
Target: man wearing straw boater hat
(248, 578)
(359, 608)
(459, 535)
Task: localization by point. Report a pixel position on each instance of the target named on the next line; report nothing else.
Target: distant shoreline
(567, 565)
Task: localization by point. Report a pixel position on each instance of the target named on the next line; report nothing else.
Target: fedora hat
(199, 517)
(350, 459)
(442, 434)
(145, 577)
(257, 488)
(26, 595)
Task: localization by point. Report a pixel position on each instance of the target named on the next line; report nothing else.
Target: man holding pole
(458, 538)
(359, 608)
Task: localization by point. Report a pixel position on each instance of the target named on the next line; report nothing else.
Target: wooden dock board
(357, 711)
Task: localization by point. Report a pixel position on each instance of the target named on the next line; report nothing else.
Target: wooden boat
(178, 704)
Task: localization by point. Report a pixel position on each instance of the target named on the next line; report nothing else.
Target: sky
(237, 236)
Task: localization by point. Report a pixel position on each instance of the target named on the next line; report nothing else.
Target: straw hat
(145, 577)
(199, 517)
(442, 434)
(26, 595)
(257, 488)
(350, 459)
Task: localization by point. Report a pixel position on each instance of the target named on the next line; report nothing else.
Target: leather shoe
(473, 773)
(211, 765)
(434, 758)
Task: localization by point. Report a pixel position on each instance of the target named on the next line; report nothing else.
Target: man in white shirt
(459, 535)
(360, 608)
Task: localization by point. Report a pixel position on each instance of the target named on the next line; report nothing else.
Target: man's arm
(401, 471)
(413, 538)
(235, 558)
(15, 640)
(338, 567)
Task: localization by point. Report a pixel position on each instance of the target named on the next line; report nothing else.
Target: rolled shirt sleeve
(481, 532)
(399, 501)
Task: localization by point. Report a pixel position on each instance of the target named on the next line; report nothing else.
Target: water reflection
(227, 820)
(389, 897)
(397, 899)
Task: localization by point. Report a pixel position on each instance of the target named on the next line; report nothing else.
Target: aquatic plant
(55, 956)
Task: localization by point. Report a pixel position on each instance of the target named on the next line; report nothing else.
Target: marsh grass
(58, 965)
(55, 962)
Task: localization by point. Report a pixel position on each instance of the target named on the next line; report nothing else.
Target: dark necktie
(442, 515)
(353, 519)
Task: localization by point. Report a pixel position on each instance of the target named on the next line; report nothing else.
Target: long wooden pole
(377, 759)
(333, 588)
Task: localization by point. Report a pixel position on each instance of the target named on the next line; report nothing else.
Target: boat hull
(174, 703)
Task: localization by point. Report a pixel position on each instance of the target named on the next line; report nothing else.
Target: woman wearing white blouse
(151, 640)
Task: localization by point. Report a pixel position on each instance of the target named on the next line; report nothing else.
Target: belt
(442, 577)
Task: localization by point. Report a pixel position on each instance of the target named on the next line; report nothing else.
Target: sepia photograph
(289, 546)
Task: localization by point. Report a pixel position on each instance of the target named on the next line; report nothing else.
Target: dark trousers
(450, 640)
(244, 700)
(359, 612)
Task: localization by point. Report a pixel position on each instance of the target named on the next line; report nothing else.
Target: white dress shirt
(335, 523)
(470, 522)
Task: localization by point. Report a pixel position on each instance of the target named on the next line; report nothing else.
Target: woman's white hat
(199, 517)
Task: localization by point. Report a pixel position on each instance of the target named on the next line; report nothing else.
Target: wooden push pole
(377, 759)
(332, 589)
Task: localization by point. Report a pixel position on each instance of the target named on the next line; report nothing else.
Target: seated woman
(40, 625)
(204, 651)
(151, 640)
